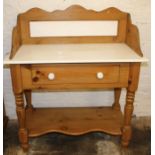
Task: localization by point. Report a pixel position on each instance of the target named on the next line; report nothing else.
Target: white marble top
(74, 53)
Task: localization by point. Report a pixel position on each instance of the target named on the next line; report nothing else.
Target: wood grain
(128, 109)
(16, 78)
(73, 13)
(74, 121)
(75, 76)
(132, 37)
(116, 104)
(28, 97)
(16, 41)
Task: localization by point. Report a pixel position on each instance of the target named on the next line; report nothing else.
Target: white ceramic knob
(51, 76)
(100, 75)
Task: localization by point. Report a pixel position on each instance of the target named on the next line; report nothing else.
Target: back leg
(28, 98)
(117, 93)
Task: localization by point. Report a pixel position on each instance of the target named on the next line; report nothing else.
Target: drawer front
(74, 73)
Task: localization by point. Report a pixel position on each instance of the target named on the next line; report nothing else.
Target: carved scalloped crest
(74, 12)
(74, 8)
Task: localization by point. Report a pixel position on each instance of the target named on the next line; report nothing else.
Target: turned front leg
(127, 130)
(23, 134)
(117, 93)
(128, 110)
(28, 98)
(20, 109)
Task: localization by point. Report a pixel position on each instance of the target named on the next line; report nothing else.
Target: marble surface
(74, 53)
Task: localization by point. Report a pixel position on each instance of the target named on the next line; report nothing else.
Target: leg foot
(23, 138)
(126, 136)
(127, 131)
(22, 133)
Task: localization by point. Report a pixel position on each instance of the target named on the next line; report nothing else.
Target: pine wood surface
(73, 121)
(74, 76)
(73, 13)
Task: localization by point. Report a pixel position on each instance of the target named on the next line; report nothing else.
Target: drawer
(75, 74)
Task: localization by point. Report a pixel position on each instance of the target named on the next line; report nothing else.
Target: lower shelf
(73, 121)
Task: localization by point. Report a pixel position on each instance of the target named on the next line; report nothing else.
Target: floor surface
(89, 144)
